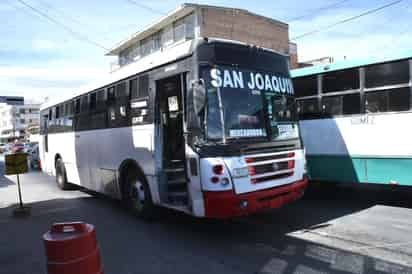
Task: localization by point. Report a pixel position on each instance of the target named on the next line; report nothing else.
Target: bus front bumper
(226, 204)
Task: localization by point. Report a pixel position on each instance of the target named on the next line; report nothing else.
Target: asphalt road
(333, 230)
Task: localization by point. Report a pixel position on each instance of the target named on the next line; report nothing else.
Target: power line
(328, 7)
(346, 20)
(75, 34)
(71, 18)
(146, 7)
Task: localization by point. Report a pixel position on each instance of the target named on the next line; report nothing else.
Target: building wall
(12, 100)
(14, 120)
(240, 25)
(293, 56)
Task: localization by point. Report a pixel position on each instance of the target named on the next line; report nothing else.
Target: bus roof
(307, 71)
(147, 63)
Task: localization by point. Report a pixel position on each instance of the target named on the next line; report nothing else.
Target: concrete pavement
(336, 231)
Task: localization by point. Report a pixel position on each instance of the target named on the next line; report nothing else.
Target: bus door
(45, 141)
(169, 94)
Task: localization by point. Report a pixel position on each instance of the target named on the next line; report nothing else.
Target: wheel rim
(137, 195)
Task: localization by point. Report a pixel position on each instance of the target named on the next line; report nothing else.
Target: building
(12, 100)
(182, 27)
(16, 119)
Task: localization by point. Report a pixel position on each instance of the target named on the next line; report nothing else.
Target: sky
(39, 59)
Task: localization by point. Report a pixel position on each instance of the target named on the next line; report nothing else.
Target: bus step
(178, 197)
(172, 164)
(181, 181)
(174, 170)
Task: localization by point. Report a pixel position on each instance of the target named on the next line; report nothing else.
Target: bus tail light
(291, 163)
(215, 179)
(218, 169)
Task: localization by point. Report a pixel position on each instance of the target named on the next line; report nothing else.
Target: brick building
(191, 21)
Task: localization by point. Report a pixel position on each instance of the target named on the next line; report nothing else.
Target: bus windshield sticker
(173, 104)
(139, 104)
(287, 130)
(247, 132)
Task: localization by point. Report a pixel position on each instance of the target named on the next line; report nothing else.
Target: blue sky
(39, 59)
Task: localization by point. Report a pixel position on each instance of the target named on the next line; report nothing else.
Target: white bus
(213, 133)
(354, 119)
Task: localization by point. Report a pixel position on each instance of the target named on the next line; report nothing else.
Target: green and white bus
(355, 120)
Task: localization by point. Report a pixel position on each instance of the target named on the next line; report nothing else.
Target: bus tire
(61, 176)
(136, 194)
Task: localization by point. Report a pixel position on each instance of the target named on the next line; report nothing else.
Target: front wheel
(61, 177)
(136, 194)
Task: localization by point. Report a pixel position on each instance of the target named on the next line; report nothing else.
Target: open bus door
(170, 92)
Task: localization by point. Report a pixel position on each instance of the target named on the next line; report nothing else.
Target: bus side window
(351, 104)
(388, 100)
(111, 110)
(331, 106)
(68, 120)
(376, 102)
(76, 117)
(387, 74)
(308, 109)
(306, 86)
(139, 93)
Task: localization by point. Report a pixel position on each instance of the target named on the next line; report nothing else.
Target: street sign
(16, 163)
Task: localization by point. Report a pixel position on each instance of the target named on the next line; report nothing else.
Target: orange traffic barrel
(72, 248)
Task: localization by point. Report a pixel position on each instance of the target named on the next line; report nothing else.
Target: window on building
(179, 30)
(305, 86)
(22, 121)
(387, 74)
(157, 41)
(147, 46)
(190, 26)
(167, 36)
(308, 109)
(331, 105)
(340, 80)
(351, 104)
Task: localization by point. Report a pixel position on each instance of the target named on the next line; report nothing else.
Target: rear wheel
(61, 177)
(136, 194)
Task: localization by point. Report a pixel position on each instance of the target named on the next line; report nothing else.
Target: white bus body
(153, 129)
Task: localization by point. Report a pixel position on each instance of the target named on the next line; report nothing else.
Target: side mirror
(199, 95)
(196, 103)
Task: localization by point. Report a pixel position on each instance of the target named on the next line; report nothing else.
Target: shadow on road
(177, 243)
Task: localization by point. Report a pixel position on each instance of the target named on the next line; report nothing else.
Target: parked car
(32, 150)
(18, 147)
(2, 147)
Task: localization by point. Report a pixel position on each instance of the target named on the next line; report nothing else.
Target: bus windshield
(245, 104)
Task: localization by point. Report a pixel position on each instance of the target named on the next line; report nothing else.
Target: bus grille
(270, 167)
